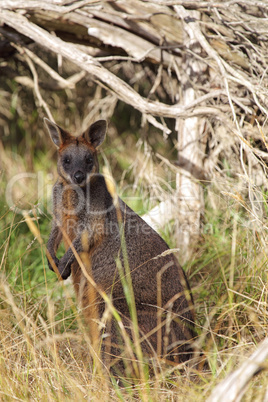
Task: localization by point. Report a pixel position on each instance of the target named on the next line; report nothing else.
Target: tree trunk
(191, 148)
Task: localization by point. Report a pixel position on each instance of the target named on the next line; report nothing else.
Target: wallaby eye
(67, 160)
(88, 160)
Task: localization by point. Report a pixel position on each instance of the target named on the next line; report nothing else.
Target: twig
(35, 80)
(62, 82)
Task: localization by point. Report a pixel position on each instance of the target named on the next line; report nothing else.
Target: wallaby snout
(79, 177)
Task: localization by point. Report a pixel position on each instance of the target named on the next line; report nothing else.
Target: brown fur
(162, 294)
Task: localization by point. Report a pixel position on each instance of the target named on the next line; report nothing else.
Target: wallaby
(83, 204)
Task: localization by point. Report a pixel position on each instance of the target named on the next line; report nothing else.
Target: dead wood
(233, 387)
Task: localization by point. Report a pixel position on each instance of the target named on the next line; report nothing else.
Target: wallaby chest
(81, 210)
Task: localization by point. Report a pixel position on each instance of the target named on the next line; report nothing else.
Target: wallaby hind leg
(164, 336)
(147, 335)
(117, 348)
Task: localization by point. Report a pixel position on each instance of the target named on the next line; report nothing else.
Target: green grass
(44, 349)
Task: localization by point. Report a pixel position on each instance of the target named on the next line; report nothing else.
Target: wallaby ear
(95, 134)
(57, 134)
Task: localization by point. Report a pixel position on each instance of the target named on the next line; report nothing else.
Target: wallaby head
(77, 156)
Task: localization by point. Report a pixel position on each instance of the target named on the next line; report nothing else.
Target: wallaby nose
(79, 177)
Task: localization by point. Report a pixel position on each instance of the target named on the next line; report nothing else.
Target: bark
(190, 145)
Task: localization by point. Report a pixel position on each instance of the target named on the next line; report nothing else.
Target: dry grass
(46, 353)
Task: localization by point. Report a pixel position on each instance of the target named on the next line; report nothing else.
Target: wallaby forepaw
(56, 262)
(64, 270)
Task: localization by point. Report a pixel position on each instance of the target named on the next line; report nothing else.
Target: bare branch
(92, 66)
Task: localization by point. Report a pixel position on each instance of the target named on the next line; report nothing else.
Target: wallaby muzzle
(79, 177)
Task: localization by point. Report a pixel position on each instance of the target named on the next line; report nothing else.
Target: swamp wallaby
(83, 204)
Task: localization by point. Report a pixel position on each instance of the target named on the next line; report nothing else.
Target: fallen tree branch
(89, 64)
(233, 387)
